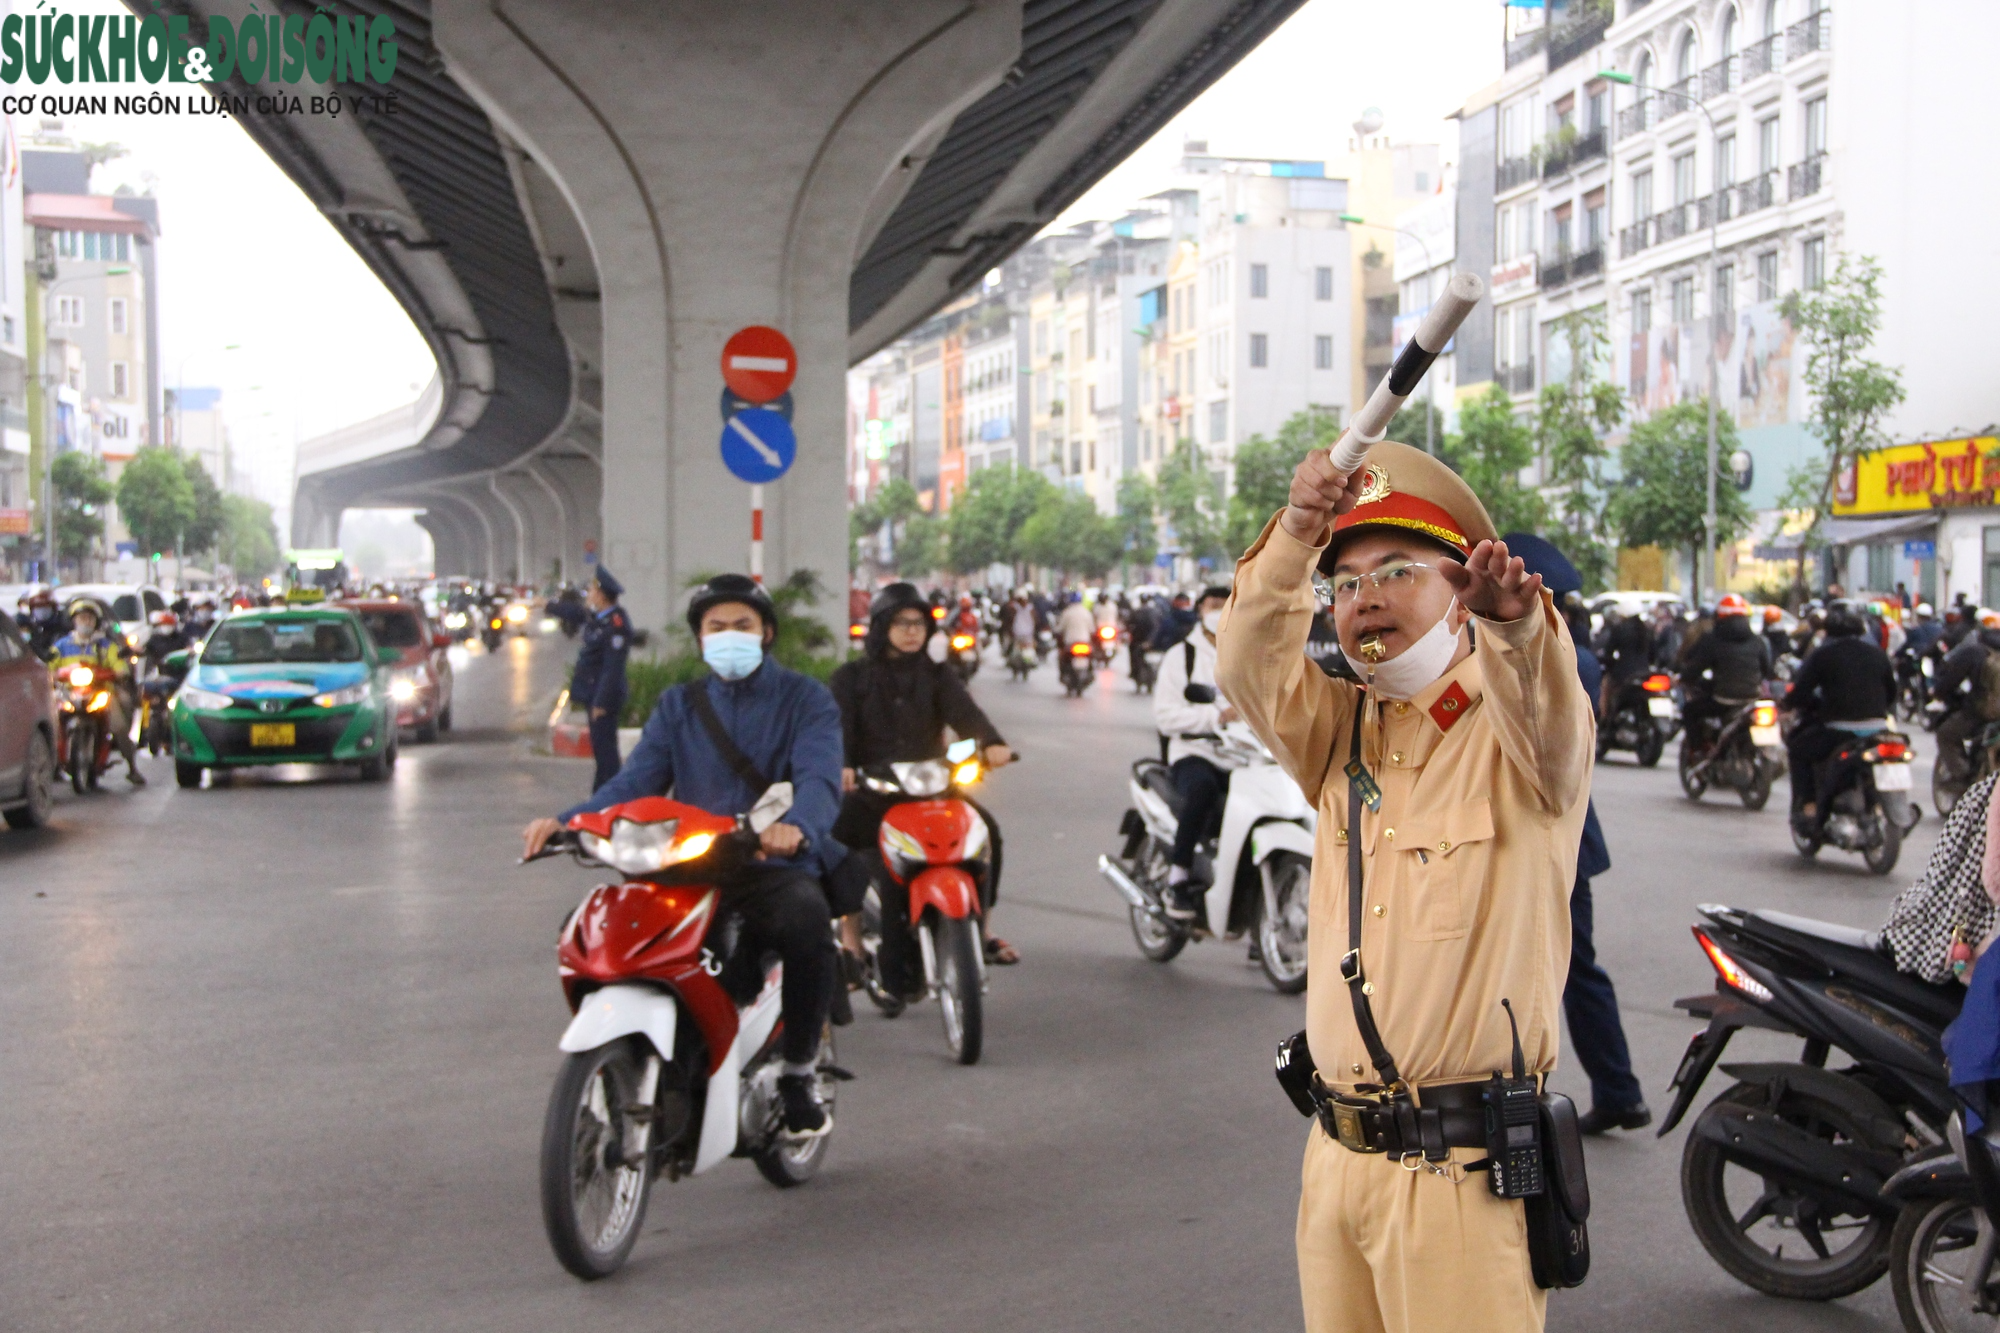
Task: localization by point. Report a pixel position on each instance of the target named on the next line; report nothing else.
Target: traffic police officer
(1474, 773)
(599, 680)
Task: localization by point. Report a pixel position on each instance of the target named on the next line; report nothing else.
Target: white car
(131, 607)
(15, 595)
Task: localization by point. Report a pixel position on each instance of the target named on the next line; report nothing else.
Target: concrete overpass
(577, 201)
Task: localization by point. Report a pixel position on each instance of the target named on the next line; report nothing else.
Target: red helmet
(1732, 604)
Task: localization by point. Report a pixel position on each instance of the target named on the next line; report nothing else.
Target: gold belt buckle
(1347, 1127)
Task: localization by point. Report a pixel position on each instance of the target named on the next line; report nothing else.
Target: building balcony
(1637, 118)
(1812, 34)
(1525, 46)
(1760, 58)
(1577, 36)
(1719, 78)
(1564, 268)
(1804, 178)
(1515, 379)
(1759, 192)
(1564, 157)
(1512, 172)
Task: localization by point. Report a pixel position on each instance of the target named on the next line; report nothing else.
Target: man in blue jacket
(598, 683)
(774, 725)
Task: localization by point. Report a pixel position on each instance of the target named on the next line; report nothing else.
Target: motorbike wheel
(593, 1200)
(1281, 921)
(1930, 1254)
(82, 757)
(1881, 858)
(38, 786)
(789, 1162)
(1759, 791)
(1652, 744)
(1692, 784)
(1745, 1220)
(1159, 938)
(1808, 847)
(959, 985)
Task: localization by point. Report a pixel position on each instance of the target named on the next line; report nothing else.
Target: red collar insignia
(1450, 706)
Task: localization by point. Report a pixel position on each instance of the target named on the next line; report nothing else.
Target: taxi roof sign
(759, 363)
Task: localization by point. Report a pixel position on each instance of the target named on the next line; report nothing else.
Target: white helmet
(1924, 610)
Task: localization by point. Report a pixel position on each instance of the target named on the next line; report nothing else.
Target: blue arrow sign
(758, 445)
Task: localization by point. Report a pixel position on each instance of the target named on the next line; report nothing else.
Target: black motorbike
(1745, 754)
(1980, 756)
(1078, 668)
(1913, 684)
(1145, 666)
(1942, 1250)
(1865, 786)
(1782, 1175)
(1643, 715)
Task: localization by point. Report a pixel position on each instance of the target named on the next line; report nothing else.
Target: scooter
(1261, 857)
(965, 654)
(672, 1058)
(1104, 645)
(1643, 716)
(1942, 1251)
(1867, 809)
(1782, 1175)
(1022, 659)
(1747, 754)
(1981, 757)
(1077, 668)
(1145, 667)
(83, 737)
(936, 846)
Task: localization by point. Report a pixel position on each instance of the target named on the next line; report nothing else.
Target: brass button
(1389, 833)
(1443, 846)
(1380, 910)
(1402, 708)
(1395, 756)
(1357, 1069)
(1340, 835)
(1367, 988)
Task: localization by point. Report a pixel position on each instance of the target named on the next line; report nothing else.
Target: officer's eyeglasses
(918, 621)
(1398, 576)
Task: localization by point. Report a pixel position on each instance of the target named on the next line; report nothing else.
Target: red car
(27, 733)
(420, 682)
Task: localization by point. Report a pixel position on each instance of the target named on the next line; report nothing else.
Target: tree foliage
(1067, 533)
(1489, 450)
(1192, 502)
(156, 500)
(1571, 421)
(986, 518)
(248, 540)
(82, 490)
(1665, 496)
(1850, 392)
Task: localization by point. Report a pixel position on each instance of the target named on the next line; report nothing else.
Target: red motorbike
(937, 848)
(83, 733)
(672, 1058)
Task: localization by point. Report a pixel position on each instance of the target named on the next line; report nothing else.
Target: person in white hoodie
(1190, 713)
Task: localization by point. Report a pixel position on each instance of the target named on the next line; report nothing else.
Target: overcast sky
(246, 260)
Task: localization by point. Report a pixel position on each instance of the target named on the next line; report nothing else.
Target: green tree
(1849, 391)
(155, 499)
(920, 546)
(1407, 426)
(1489, 450)
(1664, 498)
(1067, 533)
(1138, 518)
(248, 542)
(82, 490)
(894, 503)
(205, 528)
(987, 516)
(1192, 502)
(1264, 473)
(1571, 421)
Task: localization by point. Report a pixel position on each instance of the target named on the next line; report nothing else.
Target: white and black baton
(1371, 423)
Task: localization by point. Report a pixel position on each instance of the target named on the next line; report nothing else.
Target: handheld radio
(1513, 1127)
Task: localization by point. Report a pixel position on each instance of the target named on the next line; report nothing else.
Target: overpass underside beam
(727, 162)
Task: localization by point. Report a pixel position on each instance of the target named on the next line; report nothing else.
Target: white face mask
(1211, 621)
(1407, 673)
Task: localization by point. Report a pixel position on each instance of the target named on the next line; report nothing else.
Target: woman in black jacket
(895, 704)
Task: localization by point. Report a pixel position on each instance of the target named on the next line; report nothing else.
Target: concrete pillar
(577, 478)
(800, 114)
(316, 512)
(541, 520)
(445, 552)
(483, 559)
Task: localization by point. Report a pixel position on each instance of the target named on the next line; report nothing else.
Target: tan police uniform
(1467, 868)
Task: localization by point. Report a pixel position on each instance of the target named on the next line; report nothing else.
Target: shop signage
(1938, 474)
(1515, 276)
(14, 522)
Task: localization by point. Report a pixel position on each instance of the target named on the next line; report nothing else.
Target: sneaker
(135, 777)
(1599, 1119)
(1184, 901)
(804, 1117)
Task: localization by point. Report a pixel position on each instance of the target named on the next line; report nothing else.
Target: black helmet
(896, 597)
(730, 588)
(1843, 619)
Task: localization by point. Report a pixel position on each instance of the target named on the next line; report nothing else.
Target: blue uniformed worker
(599, 680)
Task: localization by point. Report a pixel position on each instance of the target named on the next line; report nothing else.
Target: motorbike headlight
(900, 848)
(926, 777)
(208, 701)
(636, 849)
(353, 694)
(550, 624)
(81, 676)
(101, 702)
(518, 614)
(966, 774)
(456, 620)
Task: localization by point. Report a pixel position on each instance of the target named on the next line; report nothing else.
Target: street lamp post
(49, 382)
(1430, 384)
(1708, 520)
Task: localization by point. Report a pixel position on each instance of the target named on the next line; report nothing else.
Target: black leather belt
(1451, 1116)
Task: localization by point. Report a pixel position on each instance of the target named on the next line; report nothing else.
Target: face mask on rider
(1212, 621)
(732, 654)
(1422, 662)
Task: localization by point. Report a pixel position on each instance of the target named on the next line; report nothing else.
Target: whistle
(1371, 648)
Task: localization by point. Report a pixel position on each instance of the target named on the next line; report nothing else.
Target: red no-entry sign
(759, 363)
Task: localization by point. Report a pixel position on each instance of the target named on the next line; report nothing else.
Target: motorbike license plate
(1892, 777)
(1765, 737)
(1660, 707)
(279, 735)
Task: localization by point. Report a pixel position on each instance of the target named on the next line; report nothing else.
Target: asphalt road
(276, 1055)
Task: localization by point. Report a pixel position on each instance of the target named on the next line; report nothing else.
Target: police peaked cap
(611, 586)
(1404, 488)
(730, 588)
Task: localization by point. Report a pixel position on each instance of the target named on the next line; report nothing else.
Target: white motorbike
(1260, 860)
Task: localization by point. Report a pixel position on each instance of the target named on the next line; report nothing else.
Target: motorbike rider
(107, 655)
(598, 682)
(1923, 631)
(1195, 756)
(1774, 632)
(1628, 653)
(1176, 624)
(1973, 660)
(965, 620)
(717, 743)
(1846, 686)
(42, 623)
(895, 704)
(1076, 624)
(1722, 670)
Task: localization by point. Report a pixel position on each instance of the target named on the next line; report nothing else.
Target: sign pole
(757, 533)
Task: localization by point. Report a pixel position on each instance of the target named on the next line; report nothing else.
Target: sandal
(1000, 953)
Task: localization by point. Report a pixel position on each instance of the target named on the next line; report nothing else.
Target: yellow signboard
(1939, 474)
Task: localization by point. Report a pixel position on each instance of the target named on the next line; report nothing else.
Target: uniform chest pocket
(1446, 861)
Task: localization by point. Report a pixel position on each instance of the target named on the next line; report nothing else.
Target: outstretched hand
(1318, 493)
(1491, 584)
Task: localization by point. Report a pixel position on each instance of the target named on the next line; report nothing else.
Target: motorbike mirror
(1199, 694)
(960, 751)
